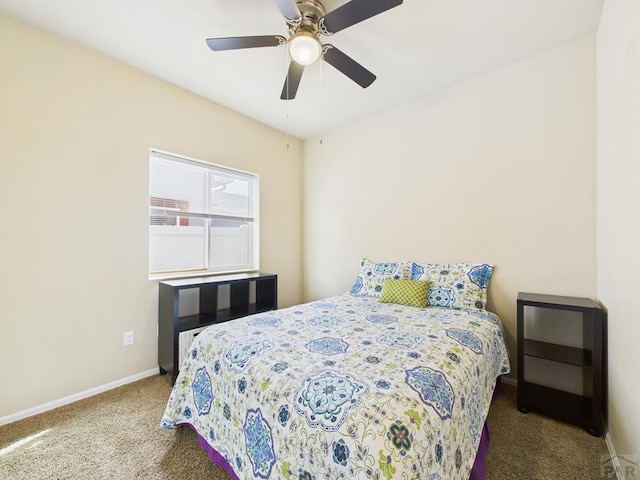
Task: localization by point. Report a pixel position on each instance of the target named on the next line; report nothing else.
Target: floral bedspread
(346, 388)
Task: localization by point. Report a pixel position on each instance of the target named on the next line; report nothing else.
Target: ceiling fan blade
(347, 65)
(235, 43)
(292, 81)
(354, 12)
(289, 9)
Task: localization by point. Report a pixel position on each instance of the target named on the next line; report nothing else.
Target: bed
(345, 387)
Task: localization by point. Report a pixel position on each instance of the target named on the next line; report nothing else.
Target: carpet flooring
(116, 435)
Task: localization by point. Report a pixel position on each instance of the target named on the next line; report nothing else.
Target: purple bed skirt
(478, 470)
(214, 455)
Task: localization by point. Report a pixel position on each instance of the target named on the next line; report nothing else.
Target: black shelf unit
(240, 304)
(584, 410)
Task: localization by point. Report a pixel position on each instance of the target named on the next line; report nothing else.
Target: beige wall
(75, 133)
(618, 174)
(499, 169)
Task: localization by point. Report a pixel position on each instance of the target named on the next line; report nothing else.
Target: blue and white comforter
(345, 387)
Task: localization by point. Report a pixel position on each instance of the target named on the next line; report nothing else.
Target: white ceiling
(414, 49)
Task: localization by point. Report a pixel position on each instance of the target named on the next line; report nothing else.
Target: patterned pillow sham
(455, 285)
(405, 292)
(370, 280)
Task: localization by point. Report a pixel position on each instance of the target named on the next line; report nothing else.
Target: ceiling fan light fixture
(305, 48)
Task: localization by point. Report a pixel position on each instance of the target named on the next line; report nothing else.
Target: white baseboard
(615, 460)
(509, 381)
(74, 398)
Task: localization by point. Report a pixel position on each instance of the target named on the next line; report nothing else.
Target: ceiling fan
(307, 20)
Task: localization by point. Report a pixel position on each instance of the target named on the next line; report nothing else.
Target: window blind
(202, 217)
(199, 190)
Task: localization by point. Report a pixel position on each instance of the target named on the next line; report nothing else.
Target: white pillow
(371, 277)
(455, 285)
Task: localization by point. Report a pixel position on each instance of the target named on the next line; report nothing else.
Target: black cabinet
(585, 410)
(219, 298)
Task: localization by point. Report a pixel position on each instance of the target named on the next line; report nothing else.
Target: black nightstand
(584, 410)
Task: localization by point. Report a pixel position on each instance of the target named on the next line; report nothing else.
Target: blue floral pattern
(440, 297)
(283, 415)
(329, 393)
(357, 286)
(242, 384)
(202, 393)
(324, 321)
(240, 353)
(265, 322)
(323, 305)
(438, 452)
(400, 339)
(383, 384)
(475, 414)
(434, 389)
(325, 399)
(280, 367)
(340, 452)
(327, 346)
(259, 443)
(381, 319)
(492, 317)
(466, 338)
(481, 274)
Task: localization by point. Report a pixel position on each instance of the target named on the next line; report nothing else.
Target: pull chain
(287, 61)
(321, 100)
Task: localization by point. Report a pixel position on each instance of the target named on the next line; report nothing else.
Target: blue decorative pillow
(372, 275)
(455, 285)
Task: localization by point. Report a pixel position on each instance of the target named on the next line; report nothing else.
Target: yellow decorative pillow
(405, 292)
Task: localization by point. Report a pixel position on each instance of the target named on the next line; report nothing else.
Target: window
(202, 217)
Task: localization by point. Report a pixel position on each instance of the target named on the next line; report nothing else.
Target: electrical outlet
(128, 338)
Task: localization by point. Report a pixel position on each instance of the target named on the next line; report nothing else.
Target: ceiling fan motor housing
(311, 11)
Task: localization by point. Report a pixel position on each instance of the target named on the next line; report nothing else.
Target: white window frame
(253, 239)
